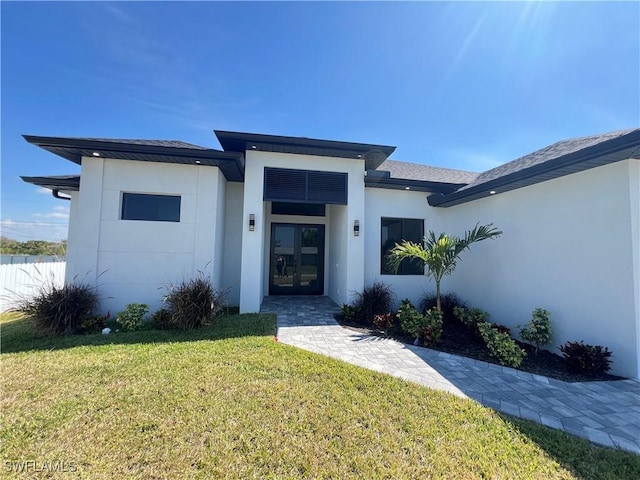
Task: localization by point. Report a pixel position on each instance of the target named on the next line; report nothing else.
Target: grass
(228, 401)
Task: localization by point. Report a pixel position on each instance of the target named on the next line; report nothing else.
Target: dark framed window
(155, 208)
(306, 209)
(395, 230)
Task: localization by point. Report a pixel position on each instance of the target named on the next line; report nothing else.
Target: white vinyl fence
(18, 281)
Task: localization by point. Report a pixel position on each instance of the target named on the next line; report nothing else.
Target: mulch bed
(458, 340)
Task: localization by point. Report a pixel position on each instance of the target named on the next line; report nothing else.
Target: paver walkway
(607, 413)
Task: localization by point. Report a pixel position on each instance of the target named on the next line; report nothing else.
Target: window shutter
(304, 186)
(284, 185)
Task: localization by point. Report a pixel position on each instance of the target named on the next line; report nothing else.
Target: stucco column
(84, 224)
(252, 258)
(355, 245)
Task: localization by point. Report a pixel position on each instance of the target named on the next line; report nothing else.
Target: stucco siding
(567, 247)
(134, 260)
(337, 265)
(232, 242)
(381, 203)
(255, 245)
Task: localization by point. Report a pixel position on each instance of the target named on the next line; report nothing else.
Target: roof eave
(231, 163)
(605, 153)
(69, 183)
(373, 155)
(413, 185)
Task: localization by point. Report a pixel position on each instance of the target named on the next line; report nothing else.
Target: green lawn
(229, 401)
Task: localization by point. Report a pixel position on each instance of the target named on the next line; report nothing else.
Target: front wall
(232, 241)
(634, 191)
(567, 247)
(254, 244)
(397, 204)
(135, 261)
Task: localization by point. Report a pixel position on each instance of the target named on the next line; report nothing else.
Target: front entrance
(296, 264)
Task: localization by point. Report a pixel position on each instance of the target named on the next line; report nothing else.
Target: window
(306, 209)
(158, 208)
(395, 230)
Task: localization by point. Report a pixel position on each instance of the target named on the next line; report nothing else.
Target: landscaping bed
(456, 339)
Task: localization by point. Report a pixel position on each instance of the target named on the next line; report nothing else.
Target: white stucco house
(274, 215)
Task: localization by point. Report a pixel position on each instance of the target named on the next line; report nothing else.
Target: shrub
(431, 331)
(132, 317)
(501, 328)
(538, 330)
(448, 302)
(501, 346)
(373, 300)
(384, 321)
(162, 319)
(471, 318)
(584, 358)
(348, 312)
(60, 310)
(411, 321)
(93, 324)
(192, 303)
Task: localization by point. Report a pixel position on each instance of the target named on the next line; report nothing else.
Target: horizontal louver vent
(285, 185)
(304, 186)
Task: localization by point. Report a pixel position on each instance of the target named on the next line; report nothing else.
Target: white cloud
(43, 191)
(59, 212)
(37, 230)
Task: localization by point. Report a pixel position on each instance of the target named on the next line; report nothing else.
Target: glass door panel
(297, 260)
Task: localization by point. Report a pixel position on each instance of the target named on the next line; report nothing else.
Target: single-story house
(277, 215)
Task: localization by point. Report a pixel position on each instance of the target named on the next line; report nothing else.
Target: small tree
(440, 254)
(538, 330)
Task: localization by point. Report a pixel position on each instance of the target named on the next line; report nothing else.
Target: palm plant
(439, 254)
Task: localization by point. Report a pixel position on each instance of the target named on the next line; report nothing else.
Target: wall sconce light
(252, 222)
(356, 228)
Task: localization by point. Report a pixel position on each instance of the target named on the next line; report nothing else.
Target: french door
(297, 259)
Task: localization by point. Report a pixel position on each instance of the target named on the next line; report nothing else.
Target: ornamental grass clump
(60, 310)
(373, 300)
(193, 303)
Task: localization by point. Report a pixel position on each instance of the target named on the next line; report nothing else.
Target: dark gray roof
(557, 150)
(561, 158)
(142, 141)
(427, 173)
(240, 142)
(163, 151)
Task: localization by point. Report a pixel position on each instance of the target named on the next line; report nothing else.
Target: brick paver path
(607, 413)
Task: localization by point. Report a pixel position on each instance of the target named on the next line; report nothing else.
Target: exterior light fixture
(359, 156)
(253, 147)
(407, 188)
(356, 228)
(198, 162)
(96, 154)
(252, 222)
(492, 192)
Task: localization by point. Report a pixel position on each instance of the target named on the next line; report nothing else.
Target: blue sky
(461, 85)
